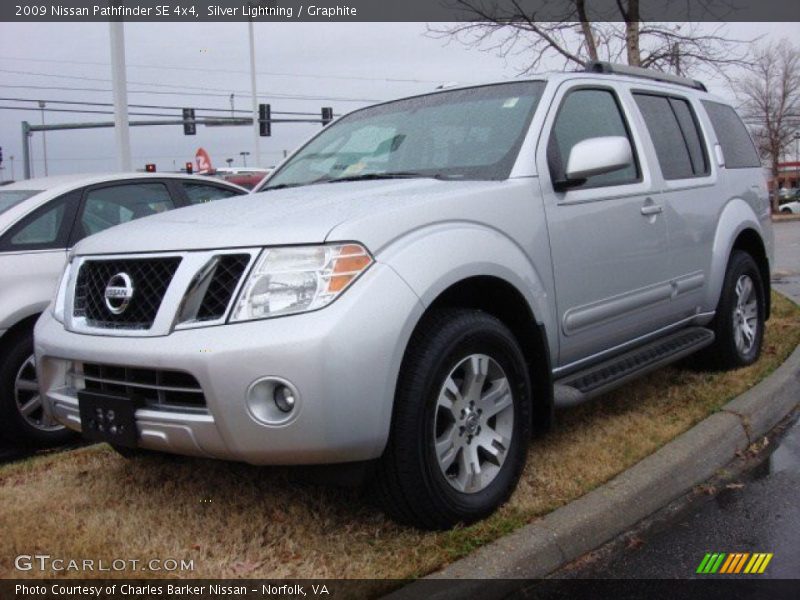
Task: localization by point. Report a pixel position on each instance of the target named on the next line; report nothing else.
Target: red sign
(203, 160)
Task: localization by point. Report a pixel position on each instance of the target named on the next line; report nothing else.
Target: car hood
(291, 216)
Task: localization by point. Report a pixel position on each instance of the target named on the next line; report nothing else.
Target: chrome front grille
(160, 293)
(150, 278)
(151, 388)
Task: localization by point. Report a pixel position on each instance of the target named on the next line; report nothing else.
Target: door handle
(652, 209)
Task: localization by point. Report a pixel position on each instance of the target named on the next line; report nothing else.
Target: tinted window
(42, 230)
(737, 146)
(109, 206)
(473, 133)
(9, 198)
(586, 114)
(198, 193)
(45, 228)
(675, 136)
(692, 135)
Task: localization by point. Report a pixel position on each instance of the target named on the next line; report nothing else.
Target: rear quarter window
(737, 145)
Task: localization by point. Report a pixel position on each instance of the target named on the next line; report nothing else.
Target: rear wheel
(739, 322)
(23, 420)
(461, 422)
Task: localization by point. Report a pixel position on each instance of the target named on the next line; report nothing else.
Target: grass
(234, 520)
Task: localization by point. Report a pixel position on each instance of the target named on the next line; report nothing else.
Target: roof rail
(617, 69)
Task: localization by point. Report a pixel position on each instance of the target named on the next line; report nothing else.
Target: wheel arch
(738, 228)
(504, 301)
(750, 241)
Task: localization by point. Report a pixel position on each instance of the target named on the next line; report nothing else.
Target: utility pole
(120, 89)
(11, 158)
(44, 138)
(232, 109)
(256, 136)
(27, 171)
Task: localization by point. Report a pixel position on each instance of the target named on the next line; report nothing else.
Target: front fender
(433, 258)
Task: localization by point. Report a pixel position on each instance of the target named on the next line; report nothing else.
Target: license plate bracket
(108, 418)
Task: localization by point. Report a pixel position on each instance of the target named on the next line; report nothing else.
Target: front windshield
(472, 133)
(9, 198)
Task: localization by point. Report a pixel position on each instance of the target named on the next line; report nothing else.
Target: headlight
(291, 280)
(60, 301)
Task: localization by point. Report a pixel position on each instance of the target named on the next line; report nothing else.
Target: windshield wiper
(390, 175)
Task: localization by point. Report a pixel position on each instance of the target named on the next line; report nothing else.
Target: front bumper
(343, 361)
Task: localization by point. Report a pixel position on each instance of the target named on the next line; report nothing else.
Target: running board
(592, 381)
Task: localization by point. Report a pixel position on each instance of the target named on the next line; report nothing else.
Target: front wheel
(461, 422)
(23, 420)
(739, 322)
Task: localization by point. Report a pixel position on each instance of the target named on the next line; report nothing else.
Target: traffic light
(189, 126)
(189, 167)
(327, 115)
(150, 168)
(264, 120)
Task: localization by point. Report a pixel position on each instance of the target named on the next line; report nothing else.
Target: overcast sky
(201, 64)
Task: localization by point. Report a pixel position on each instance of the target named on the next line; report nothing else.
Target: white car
(40, 219)
(793, 206)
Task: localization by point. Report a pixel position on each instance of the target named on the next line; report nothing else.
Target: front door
(608, 237)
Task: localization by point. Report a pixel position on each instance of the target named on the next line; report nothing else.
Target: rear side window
(46, 228)
(585, 114)
(675, 135)
(737, 146)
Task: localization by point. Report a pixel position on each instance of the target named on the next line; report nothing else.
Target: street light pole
(255, 97)
(244, 156)
(120, 88)
(44, 138)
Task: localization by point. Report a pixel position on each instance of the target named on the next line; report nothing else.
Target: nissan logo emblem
(119, 292)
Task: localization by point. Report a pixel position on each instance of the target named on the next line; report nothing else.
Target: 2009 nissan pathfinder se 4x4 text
(421, 283)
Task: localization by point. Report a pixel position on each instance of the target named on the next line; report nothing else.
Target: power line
(149, 106)
(219, 70)
(190, 87)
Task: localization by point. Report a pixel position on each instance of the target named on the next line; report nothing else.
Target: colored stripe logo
(734, 563)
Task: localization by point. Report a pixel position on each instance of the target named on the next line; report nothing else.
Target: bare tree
(770, 95)
(571, 34)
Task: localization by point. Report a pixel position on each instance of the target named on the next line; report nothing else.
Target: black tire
(786, 211)
(409, 483)
(14, 428)
(724, 354)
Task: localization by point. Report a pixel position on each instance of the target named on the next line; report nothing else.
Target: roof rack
(616, 69)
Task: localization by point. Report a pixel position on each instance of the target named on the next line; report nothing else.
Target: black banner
(392, 10)
(709, 588)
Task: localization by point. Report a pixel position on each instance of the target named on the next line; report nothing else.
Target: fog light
(284, 398)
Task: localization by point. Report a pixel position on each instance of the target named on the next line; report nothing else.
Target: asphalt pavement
(759, 512)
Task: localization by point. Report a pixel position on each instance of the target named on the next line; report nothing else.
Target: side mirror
(596, 156)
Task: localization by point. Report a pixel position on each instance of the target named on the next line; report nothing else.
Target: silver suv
(419, 285)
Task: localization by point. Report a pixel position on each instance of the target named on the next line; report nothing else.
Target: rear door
(608, 240)
(689, 192)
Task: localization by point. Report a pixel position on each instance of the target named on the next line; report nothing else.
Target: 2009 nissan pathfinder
(422, 282)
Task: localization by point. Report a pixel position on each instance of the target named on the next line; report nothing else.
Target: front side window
(112, 205)
(473, 133)
(586, 114)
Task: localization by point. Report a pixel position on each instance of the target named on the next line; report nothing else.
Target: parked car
(792, 204)
(247, 178)
(421, 283)
(39, 220)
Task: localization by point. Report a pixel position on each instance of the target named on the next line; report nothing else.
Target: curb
(538, 549)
